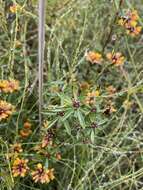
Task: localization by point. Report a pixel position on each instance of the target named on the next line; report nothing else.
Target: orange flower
(116, 58)
(9, 86)
(134, 31)
(3, 84)
(133, 15)
(129, 21)
(90, 98)
(20, 167)
(42, 175)
(24, 133)
(6, 109)
(27, 125)
(47, 140)
(93, 57)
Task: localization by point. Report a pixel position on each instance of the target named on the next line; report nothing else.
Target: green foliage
(100, 144)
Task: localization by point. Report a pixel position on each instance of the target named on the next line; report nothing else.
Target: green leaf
(67, 127)
(92, 135)
(67, 115)
(80, 118)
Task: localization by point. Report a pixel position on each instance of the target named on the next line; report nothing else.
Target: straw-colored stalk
(41, 39)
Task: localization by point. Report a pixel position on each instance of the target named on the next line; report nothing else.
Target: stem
(41, 39)
(112, 25)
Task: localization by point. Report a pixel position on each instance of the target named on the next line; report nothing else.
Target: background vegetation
(93, 147)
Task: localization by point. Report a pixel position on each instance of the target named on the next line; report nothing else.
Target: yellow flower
(6, 109)
(9, 86)
(20, 167)
(42, 175)
(121, 22)
(3, 84)
(132, 23)
(127, 23)
(15, 8)
(134, 31)
(90, 98)
(93, 57)
(116, 58)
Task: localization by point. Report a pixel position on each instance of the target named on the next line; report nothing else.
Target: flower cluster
(90, 98)
(6, 109)
(15, 8)
(130, 22)
(93, 57)
(16, 148)
(20, 167)
(85, 112)
(47, 140)
(42, 174)
(26, 131)
(14, 151)
(9, 86)
(116, 58)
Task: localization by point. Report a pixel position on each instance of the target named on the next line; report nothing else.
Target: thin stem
(112, 25)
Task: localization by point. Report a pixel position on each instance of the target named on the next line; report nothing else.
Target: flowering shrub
(90, 136)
